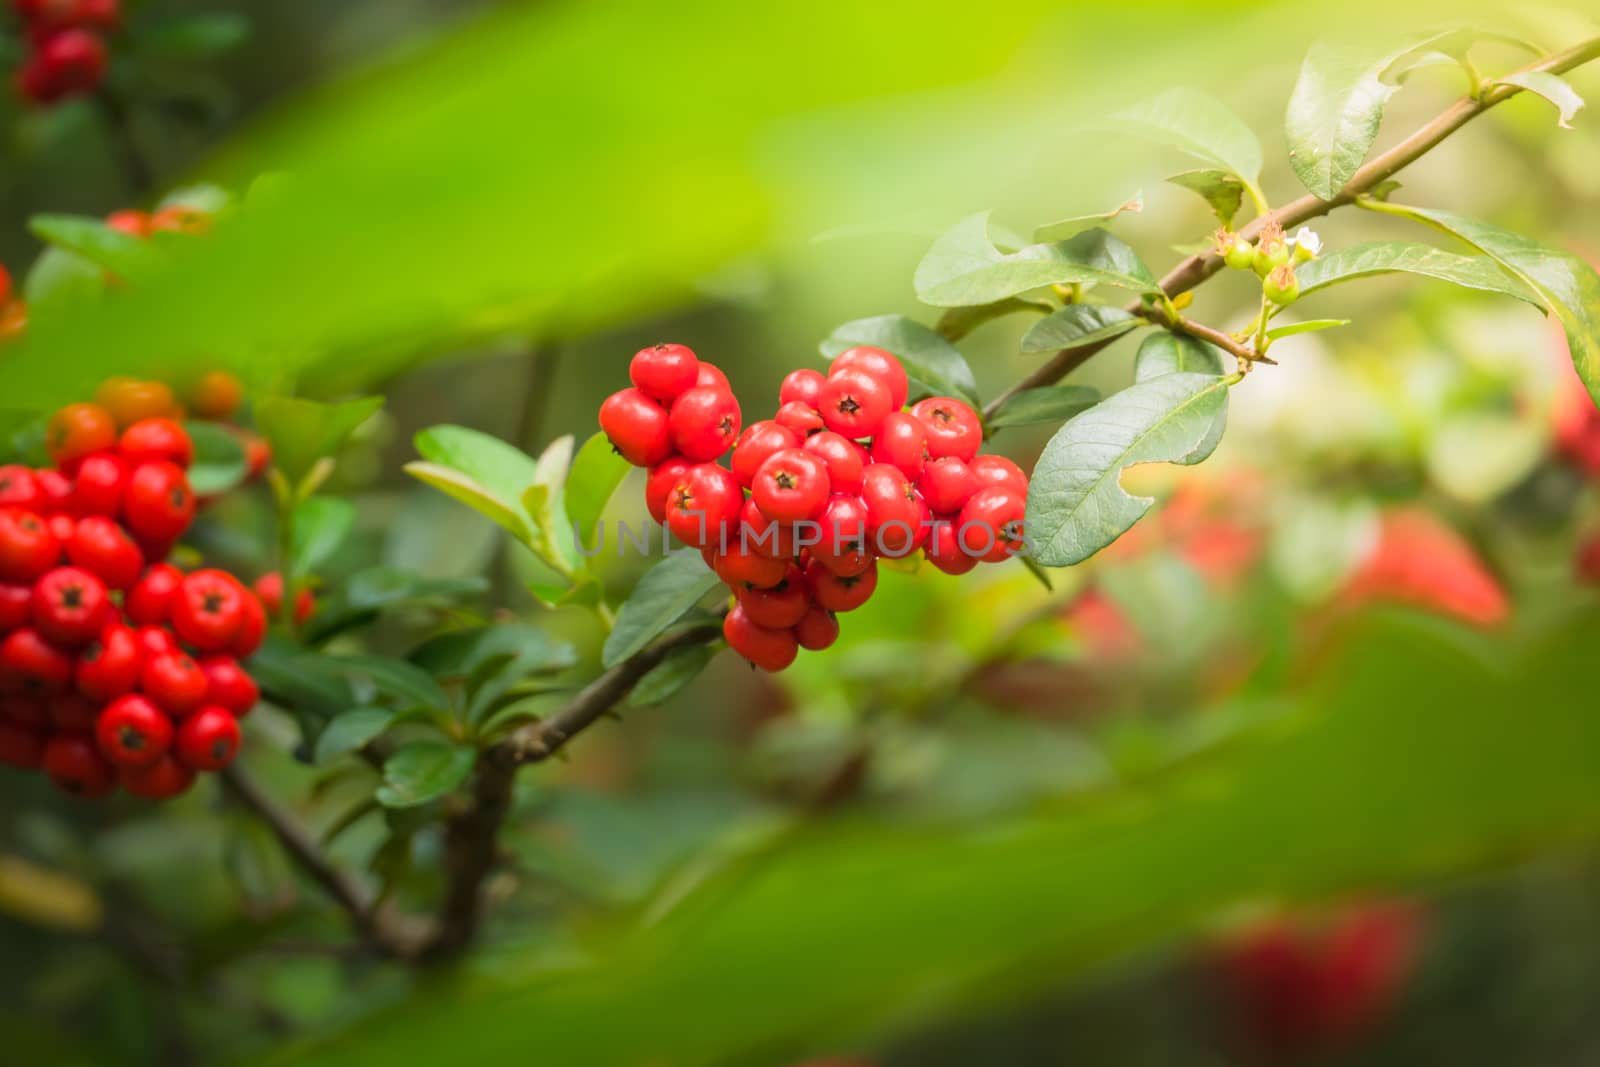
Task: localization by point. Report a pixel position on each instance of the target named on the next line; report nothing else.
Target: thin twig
(135, 167)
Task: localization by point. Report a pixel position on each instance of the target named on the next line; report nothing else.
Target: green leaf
(1307, 326)
(666, 591)
(545, 502)
(124, 255)
(422, 772)
(59, 278)
(964, 268)
(1076, 503)
(460, 487)
(219, 460)
(1223, 191)
(1388, 257)
(931, 361)
(196, 35)
(597, 470)
(365, 595)
(1175, 353)
(1198, 125)
(956, 323)
(320, 526)
(349, 730)
(1557, 90)
(396, 677)
(1065, 228)
(1568, 286)
(502, 469)
(1077, 326)
(680, 668)
(301, 432)
(1051, 403)
(457, 653)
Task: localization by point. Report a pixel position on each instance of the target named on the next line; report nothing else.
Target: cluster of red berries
(69, 52)
(842, 475)
(116, 668)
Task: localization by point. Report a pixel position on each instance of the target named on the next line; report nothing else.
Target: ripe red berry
(134, 224)
(953, 427)
(269, 591)
(664, 371)
(76, 766)
(229, 685)
(854, 403)
(19, 488)
(79, 430)
(800, 417)
(774, 540)
(133, 732)
(742, 565)
(710, 376)
(152, 439)
(767, 648)
(27, 547)
(55, 491)
(62, 528)
(216, 395)
(845, 459)
(658, 485)
(251, 630)
(208, 740)
(100, 546)
(16, 605)
(70, 606)
(40, 665)
(637, 427)
(779, 607)
(208, 609)
(759, 441)
(74, 711)
(181, 218)
(818, 630)
(944, 550)
(990, 524)
(704, 422)
(878, 363)
(946, 484)
(175, 682)
(28, 710)
(841, 594)
(155, 641)
(791, 486)
(131, 400)
(804, 386)
(844, 546)
(897, 516)
(999, 471)
(149, 602)
(158, 505)
(99, 485)
(703, 507)
(109, 666)
(21, 747)
(902, 442)
(164, 778)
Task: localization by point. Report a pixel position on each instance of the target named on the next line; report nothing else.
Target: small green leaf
(956, 323)
(666, 591)
(1076, 505)
(59, 278)
(1175, 353)
(302, 432)
(1557, 90)
(1223, 191)
(597, 470)
(1065, 228)
(505, 471)
(122, 254)
(1408, 257)
(193, 36)
(1051, 403)
(219, 460)
(396, 677)
(1198, 125)
(1308, 326)
(670, 675)
(1039, 573)
(930, 361)
(349, 730)
(458, 653)
(365, 595)
(460, 487)
(422, 772)
(1077, 326)
(320, 526)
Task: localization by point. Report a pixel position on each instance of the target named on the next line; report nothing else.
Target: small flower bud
(1272, 250)
(1307, 245)
(1281, 286)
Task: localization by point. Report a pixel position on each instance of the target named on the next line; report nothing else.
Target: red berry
(897, 516)
(779, 607)
(854, 403)
(901, 442)
(149, 602)
(710, 376)
(99, 485)
(637, 427)
(742, 565)
(704, 422)
(990, 524)
(818, 630)
(845, 459)
(152, 439)
(175, 682)
(158, 505)
(100, 546)
(19, 488)
(257, 453)
(229, 685)
(769, 649)
(62, 528)
(16, 605)
(804, 386)
(953, 427)
(251, 630)
(27, 547)
(216, 395)
(791, 486)
(74, 711)
(70, 606)
(208, 740)
(76, 766)
(131, 400)
(181, 218)
(79, 430)
(28, 710)
(109, 666)
(41, 666)
(800, 417)
(131, 222)
(999, 471)
(664, 371)
(946, 484)
(774, 540)
(155, 641)
(269, 590)
(20, 747)
(759, 440)
(844, 546)
(658, 486)
(878, 363)
(164, 778)
(208, 609)
(55, 491)
(944, 549)
(841, 594)
(703, 507)
(133, 732)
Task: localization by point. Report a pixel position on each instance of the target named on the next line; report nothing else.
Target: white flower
(1306, 244)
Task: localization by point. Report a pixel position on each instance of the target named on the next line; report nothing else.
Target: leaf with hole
(930, 360)
(1554, 88)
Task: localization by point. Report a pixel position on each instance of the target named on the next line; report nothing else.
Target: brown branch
(1199, 330)
(1197, 268)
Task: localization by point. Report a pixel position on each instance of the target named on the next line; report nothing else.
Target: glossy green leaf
(956, 323)
(596, 472)
(504, 470)
(1051, 403)
(1065, 228)
(1175, 353)
(1077, 326)
(351, 729)
(460, 487)
(367, 594)
(219, 460)
(1076, 503)
(1306, 326)
(1554, 88)
(301, 432)
(422, 772)
(457, 653)
(1407, 257)
(61, 279)
(122, 254)
(1198, 125)
(396, 677)
(681, 667)
(964, 267)
(320, 526)
(1221, 190)
(663, 595)
(930, 360)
